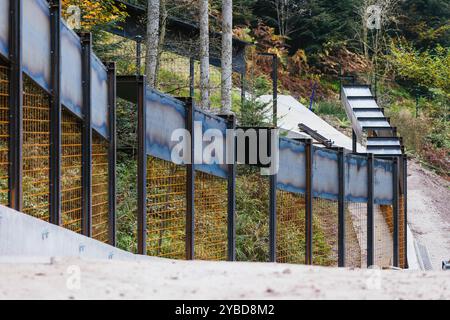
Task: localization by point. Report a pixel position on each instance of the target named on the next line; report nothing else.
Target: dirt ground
(429, 212)
(166, 279)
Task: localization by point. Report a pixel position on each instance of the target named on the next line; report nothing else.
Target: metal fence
(36, 151)
(326, 207)
(383, 237)
(57, 162)
(291, 235)
(166, 209)
(4, 135)
(252, 215)
(325, 232)
(56, 100)
(100, 189)
(211, 217)
(180, 76)
(356, 235)
(71, 172)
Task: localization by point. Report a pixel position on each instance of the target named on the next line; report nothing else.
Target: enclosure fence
(323, 207)
(36, 151)
(166, 205)
(57, 118)
(71, 172)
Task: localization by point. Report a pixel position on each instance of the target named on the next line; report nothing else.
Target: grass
(331, 108)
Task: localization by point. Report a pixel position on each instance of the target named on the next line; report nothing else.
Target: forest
(317, 43)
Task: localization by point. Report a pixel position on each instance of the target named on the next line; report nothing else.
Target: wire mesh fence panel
(174, 77)
(36, 151)
(325, 232)
(387, 212)
(355, 235)
(166, 209)
(100, 195)
(401, 233)
(71, 187)
(174, 74)
(211, 217)
(291, 240)
(252, 222)
(4, 135)
(383, 247)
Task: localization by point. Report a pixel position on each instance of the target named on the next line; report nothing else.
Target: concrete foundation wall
(25, 236)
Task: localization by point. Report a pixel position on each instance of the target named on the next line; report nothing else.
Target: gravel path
(429, 212)
(166, 279)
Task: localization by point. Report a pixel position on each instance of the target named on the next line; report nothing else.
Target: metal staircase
(369, 122)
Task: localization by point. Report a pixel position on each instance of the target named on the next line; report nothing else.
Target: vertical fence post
(275, 89)
(55, 116)
(191, 77)
(231, 161)
(190, 183)
(354, 142)
(273, 215)
(16, 106)
(309, 203)
(86, 45)
(138, 54)
(341, 208)
(370, 210)
(142, 166)
(405, 206)
(395, 211)
(112, 155)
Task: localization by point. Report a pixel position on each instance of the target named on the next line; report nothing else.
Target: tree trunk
(162, 36)
(152, 41)
(204, 53)
(227, 54)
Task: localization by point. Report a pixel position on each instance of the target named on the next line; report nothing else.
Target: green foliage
(255, 113)
(126, 203)
(428, 69)
(331, 108)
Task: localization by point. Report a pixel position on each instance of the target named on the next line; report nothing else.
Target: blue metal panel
(36, 41)
(356, 178)
(292, 171)
(383, 188)
(71, 80)
(216, 127)
(4, 28)
(99, 82)
(325, 174)
(164, 115)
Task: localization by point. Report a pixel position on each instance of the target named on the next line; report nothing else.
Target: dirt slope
(165, 279)
(429, 212)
